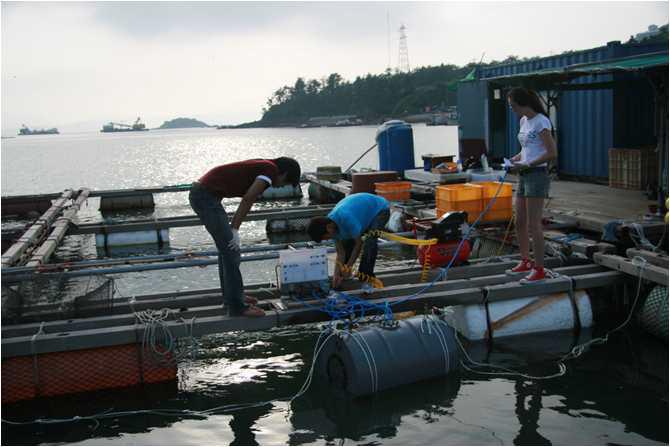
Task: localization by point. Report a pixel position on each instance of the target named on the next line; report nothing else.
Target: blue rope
(567, 237)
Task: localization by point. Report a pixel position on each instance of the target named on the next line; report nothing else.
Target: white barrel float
(522, 316)
(375, 358)
(282, 192)
(146, 237)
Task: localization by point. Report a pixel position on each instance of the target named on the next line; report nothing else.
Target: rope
(642, 241)
(501, 370)
(578, 350)
(158, 339)
(370, 279)
(425, 271)
(374, 376)
(441, 337)
(504, 241)
(36, 369)
(394, 237)
(317, 351)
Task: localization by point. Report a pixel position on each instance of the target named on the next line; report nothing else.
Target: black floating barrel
(375, 358)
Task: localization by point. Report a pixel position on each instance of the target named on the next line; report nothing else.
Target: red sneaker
(537, 274)
(524, 266)
(250, 300)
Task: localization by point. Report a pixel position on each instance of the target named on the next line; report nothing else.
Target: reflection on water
(179, 156)
(615, 393)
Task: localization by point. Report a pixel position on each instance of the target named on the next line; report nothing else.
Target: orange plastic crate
(503, 215)
(473, 212)
(461, 192)
(460, 197)
(489, 189)
(394, 191)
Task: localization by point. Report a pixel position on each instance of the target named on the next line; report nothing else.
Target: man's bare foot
(253, 311)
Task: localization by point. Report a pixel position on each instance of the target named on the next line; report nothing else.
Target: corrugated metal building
(593, 105)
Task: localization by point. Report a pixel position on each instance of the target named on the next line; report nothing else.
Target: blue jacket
(354, 214)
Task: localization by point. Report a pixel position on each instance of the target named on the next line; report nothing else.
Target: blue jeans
(533, 183)
(213, 216)
(369, 252)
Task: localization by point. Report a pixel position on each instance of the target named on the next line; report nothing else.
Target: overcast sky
(78, 65)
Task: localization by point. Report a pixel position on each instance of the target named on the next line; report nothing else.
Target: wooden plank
(657, 259)
(343, 186)
(35, 232)
(595, 280)
(48, 247)
(506, 292)
(93, 338)
(264, 298)
(524, 311)
(402, 277)
(582, 246)
(49, 312)
(193, 220)
(650, 272)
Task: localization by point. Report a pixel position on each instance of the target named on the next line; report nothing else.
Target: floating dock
(46, 344)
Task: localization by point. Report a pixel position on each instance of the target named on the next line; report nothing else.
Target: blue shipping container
(588, 122)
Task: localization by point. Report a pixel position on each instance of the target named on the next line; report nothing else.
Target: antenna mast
(388, 40)
(403, 53)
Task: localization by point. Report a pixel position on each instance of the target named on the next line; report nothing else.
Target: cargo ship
(120, 127)
(27, 131)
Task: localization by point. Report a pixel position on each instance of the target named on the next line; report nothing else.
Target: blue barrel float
(395, 142)
(373, 358)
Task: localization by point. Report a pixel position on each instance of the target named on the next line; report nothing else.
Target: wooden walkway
(109, 326)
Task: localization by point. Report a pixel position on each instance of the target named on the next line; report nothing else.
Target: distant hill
(374, 98)
(180, 123)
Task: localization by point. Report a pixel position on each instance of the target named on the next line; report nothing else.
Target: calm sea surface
(615, 393)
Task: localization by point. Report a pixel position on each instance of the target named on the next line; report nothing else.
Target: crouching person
(351, 218)
(246, 179)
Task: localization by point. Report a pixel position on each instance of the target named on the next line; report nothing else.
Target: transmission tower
(403, 52)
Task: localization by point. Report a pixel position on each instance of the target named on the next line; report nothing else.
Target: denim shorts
(533, 183)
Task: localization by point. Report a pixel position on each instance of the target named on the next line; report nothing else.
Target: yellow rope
(401, 239)
(408, 241)
(372, 280)
(426, 265)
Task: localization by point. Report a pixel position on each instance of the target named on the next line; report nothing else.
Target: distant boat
(26, 131)
(120, 127)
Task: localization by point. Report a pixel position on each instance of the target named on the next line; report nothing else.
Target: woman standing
(537, 148)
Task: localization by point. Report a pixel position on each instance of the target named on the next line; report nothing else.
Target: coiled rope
(159, 341)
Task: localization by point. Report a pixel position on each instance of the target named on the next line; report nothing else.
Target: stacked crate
(501, 209)
(394, 191)
(632, 168)
(473, 198)
(459, 197)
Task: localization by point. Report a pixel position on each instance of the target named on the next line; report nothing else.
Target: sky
(78, 65)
